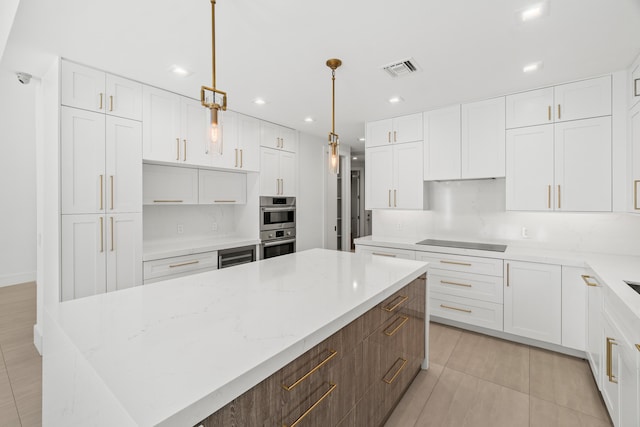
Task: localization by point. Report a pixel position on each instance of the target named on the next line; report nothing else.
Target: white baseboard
(37, 338)
(15, 279)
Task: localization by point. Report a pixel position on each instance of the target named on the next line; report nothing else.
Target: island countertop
(171, 353)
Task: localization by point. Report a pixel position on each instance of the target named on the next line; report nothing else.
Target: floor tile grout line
(415, 423)
(6, 368)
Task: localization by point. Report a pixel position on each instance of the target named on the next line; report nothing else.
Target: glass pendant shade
(215, 129)
(334, 155)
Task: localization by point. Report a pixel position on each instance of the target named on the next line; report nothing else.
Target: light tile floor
(477, 381)
(474, 380)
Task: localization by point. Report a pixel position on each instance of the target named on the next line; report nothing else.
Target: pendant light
(210, 97)
(334, 140)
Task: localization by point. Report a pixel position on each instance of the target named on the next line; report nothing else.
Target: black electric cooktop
(634, 285)
(464, 245)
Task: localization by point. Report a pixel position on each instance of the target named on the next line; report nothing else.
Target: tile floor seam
(415, 423)
(487, 380)
(15, 404)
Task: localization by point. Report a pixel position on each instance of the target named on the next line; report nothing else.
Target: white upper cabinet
(224, 188)
(634, 83)
(277, 172)
(379, 177)
(397, 130)
(123, 165)
(634, 129)
(583, 165)
(94, 90)
(241, 143)
(278, 137)
(193, 131)
(442, 144)
(170, 185)
(483, 139)
(530, 108)
(583, 99)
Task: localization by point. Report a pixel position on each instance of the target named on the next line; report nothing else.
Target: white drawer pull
(183, 264)
(466, 264)
(381, 254)
(446, 282)
(454, 308)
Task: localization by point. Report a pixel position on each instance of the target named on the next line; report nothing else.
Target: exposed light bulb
(215, 129)
(335, 159)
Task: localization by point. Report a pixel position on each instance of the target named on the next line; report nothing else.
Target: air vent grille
(401, 68)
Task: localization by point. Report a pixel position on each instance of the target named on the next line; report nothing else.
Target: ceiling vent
(401, 68)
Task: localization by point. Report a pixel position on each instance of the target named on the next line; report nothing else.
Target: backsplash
(161, 222)
(475, 211)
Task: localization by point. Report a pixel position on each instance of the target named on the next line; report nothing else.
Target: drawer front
(386, 252)
(465, 264)
(479, 313)
(177, 266)
(474, 286)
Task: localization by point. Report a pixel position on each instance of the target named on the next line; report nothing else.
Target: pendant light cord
(333, 101)
(213, 43)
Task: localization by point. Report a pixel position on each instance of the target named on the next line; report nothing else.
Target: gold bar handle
(177, 148)
(185, 150)
(184, 263)
(586, 280)
(110, 102)
(395, 136)
(549, 112)
(332, 354)
(101, 191)
(401, 300)
(610, 343)
(389, 136)
(389, 198)
(241, 158)
(395, 198)
(446, 282)
(383, 254)
(112, 245)
(638, 347)
(404, 319)
(101, 234)
(236, 165)
(111, 179)
(635, 194)
(466, 264)
(455, 308)
(168, 201)
(393, 378)
(101, 96)
(224, 201)
(508, 275)
(549, 196)
(332, 387)
(559, 202)
(559, 115)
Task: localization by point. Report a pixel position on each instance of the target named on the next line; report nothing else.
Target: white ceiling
(467, 50)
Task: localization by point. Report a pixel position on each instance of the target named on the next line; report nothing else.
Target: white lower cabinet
(170, 268)
(169, 185)
(386, 252)
(533, 301)
(466, 310)
(593, 322)
(574, 307)
(100, 253)
(225, 188)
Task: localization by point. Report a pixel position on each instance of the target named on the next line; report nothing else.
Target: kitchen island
(175, 352)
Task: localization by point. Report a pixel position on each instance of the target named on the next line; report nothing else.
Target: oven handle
(278, 242)
(290, 208)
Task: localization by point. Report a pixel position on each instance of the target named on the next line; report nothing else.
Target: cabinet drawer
(179, 266)
(467, 264)
(466, 285)
(386, 252)
(479, 313)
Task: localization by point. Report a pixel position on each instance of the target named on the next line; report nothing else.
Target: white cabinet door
(407, 168)
(407, 128)
(531, 108)
(583, 99)
(634, 120)
(532, 301)
(442, 144)
(123, 165)
(288, 174)
(249, 143)
(225, 154)
(594, 346)
(83, 261)
(83, 87)
(82, 161)
(583, 165)
(123, 98)
(161, 125)
(378, 133)
(278, 137)
(269, 172)
(123, 251)
(529, 167)
(288, 141)
(629, 385)
(218, 187)
(612, 340)
(379, 177)
(170, 185)
(193, 130)
(483, 139)
(574, 308)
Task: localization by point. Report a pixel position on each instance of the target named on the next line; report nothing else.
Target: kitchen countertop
(611, 268)
(159, 249)
(171, 353)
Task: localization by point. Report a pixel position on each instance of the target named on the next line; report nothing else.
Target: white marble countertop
(159, 249)
(171, 353)
(611, 268)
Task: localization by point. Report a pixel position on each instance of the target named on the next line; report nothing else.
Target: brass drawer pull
(185, 150)
(177, 148)
(559, 111)
(224, 201)
(332, 387)
(586, 280)
(454, 308)
(101, 234)
(168, 201)
(383, 254)
(393, 378)
(610, 343)
(101, 96)
(446, 282)
(389, 308)
(549, 112)
(466, 264)
(404, 320)
(101, 191)
(110, 102)
(508, 275)
(112, 245)
(635, 194)
(183, 264)
(559, 200)
(111, 177)
(549, 197)
(332, 354)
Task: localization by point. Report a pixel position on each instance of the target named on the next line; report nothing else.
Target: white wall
(18, 178)
(310, 210)
(475, 211)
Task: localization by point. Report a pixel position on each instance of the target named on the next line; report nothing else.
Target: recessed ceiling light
(180, 71)
(395, 99)
(355, 158)
(308, 119)
(259, 101)
(533, 67)
(361, 139)
(533, 12)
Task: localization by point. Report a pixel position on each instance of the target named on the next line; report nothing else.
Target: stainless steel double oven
(277, 226)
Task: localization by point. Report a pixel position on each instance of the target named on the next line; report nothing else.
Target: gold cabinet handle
(586, 280)
(559, 202)
(391, 306)
(638, 347)
(177, 148)
(332, 354)
(508, 275)
(110, 102)
(395, 136)
(393, 378)
(185, 150)
(101, 192)
(383, 254)
(182, 264)
(168, 201)
(610, 343)
(395, 198)
(549, 196)
(224, 201)
(466, 264)
(446, 282)
(635, 195)
(111, 179)
(389, 198)
(549, 112)
(112, 245)
(101, 234)
(236, 165)
(241, 158)
(389, 136)
(455, 308)
(403, 320)
(559, 115)
(101, 96)
(332, 387)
